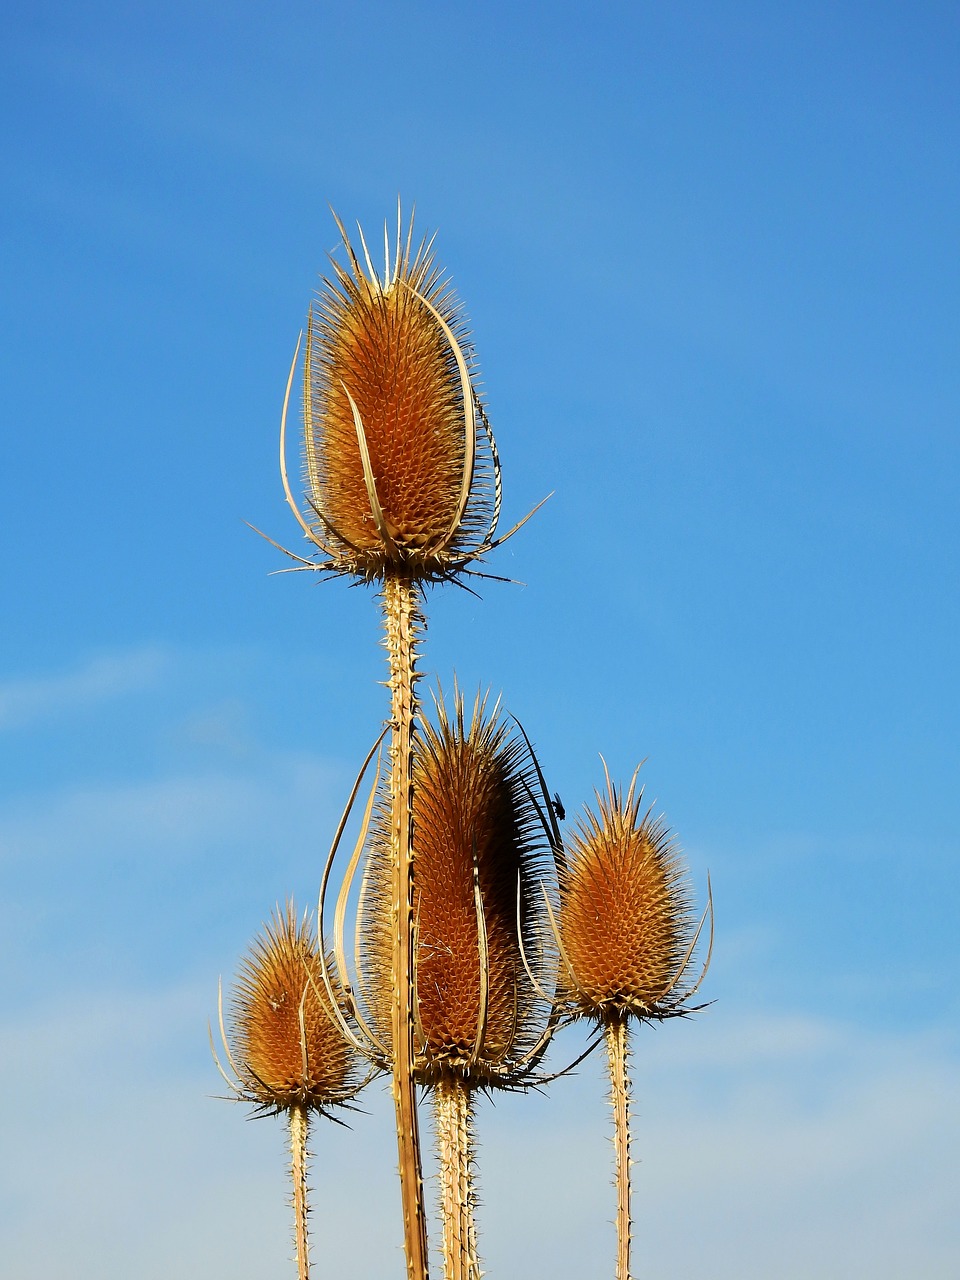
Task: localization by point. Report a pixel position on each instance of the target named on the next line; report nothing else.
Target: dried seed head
(401, 469)
(625, 923)
(284, 1043)
(479, 856)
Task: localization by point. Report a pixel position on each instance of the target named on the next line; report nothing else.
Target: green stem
(402, 622)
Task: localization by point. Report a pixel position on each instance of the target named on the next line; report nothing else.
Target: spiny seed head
(283, 1041)
(479, 855)
(401, 470)
(625, 919)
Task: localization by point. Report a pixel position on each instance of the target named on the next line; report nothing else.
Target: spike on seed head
(283, 1041)
(479, 854)
(401, 469)
(625, 923)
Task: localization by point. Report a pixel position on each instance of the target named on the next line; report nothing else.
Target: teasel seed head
(625, 926)
(401, 468)
(481, 854)
(283, 1043)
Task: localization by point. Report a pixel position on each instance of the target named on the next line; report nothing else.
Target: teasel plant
(283, 1043)
(484, 1011)
(626, 934)
(402, 489)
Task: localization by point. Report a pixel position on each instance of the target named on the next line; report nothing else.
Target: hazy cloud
(854, 1133)
(27, 700)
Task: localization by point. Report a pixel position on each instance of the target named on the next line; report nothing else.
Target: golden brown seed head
(479, 854)
(389, 372)
(625, 921)
(283, 1040)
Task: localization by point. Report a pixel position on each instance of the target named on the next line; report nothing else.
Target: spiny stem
(402, 621)
(616, 1032)
(299, 1124)
(453, 1108)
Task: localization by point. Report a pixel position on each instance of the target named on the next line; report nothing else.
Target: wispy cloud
(854, 1133)
(175, 817)
(28, 700)
(748, 1130)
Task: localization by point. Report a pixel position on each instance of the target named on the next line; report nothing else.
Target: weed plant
(480, 931)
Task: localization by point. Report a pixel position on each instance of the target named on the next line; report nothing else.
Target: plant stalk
(453, 1109)
(616, 1035)
(299, 1124)
(402, 622)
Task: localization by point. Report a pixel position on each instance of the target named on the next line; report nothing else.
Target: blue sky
(709, 253)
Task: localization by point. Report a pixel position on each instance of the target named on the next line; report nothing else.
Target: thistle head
(401, 470)
(480, 856)
(625, 925)
(283, 1042)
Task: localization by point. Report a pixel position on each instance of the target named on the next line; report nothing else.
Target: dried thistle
(481, 852)
(626, 933)
(481, 1018)
(284, 1043)
(401, 468)
(402, 487)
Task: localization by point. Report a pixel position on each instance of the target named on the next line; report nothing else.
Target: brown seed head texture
(284, 1043)
(625, 920)
(476, 833)
(390, 346)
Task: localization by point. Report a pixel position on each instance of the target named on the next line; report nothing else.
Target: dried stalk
(616, 1034)
(299, 1125)
(453, 1110)
(402, 621)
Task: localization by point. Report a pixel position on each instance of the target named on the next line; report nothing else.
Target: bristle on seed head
(480, 856)
(283, 1043)
(401, 469)
(625, 925)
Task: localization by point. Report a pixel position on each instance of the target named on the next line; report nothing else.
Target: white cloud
(785, 1147)
(28, 700)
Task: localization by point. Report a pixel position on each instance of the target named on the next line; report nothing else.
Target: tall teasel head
(625, 926)
(482, 850)
(282, 1041)
(401, 469)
